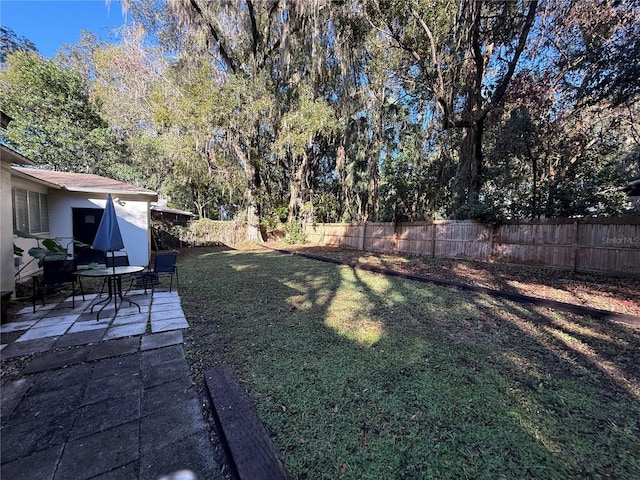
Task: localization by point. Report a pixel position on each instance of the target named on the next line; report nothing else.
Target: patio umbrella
(108, 237)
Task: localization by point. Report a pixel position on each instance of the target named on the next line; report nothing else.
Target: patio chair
(87, 256)
(164, 263)
(121, 259)
(118, 259)
(57, 274)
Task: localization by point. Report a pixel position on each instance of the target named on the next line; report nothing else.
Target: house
(68, 206)
(162, 213)
(7, 157)
(632, 189)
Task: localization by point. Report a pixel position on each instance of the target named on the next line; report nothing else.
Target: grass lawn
(361, 376)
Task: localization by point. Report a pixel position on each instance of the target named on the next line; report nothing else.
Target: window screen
(20, 210)
(30, 211)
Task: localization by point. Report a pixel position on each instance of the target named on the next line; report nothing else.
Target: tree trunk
(251, 200)
(468, 180)
(250, 196)
(341, 171)
(372, 204)
(297, 187)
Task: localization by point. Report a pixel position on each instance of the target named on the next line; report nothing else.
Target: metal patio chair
(164, 263)
(121, 259)
(56, 274)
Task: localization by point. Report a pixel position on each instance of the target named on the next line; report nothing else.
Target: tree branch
(522, 42)
(228, 60)
(255, 35)
(440, 92)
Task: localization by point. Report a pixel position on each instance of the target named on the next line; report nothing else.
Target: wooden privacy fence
(608, 245)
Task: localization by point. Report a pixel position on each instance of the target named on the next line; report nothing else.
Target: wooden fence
(608, 245)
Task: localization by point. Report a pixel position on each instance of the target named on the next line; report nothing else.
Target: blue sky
(50, 23)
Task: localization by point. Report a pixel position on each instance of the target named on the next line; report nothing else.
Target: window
(30, 211)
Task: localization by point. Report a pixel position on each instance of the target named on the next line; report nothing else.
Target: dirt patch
(613, 293)
(11, 368)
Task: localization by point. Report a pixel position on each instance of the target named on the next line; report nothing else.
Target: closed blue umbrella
(108, 237)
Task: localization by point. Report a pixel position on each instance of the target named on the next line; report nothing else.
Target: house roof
(164, 209)
(11, 156)
(633, 188)
(5, 119)
(81, 182)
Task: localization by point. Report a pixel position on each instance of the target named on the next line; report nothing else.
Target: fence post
(490, 252)
(363, 232)
(395, 237)
(433, 239)
(574, 246)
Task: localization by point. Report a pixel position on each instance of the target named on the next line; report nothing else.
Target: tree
(464, 61)
(263, 50)
(297, 143)
(596, 46)
(480, 109)
(56, 123)
(79, 57)
(240, 36)
(186, 109)
(123, 78)
(11, 42)
(548, 160)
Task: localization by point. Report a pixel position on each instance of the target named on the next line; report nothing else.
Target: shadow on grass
(617, 293)
(358, 375)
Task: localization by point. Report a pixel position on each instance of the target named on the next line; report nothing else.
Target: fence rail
(608, 245)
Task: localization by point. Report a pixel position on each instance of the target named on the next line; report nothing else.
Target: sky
(50, 23)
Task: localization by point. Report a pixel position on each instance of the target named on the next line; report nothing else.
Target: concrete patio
(108, 399)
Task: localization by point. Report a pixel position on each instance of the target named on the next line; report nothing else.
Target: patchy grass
(608, 292)
(361, 376)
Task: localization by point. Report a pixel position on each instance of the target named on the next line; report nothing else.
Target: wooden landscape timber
(246, 440)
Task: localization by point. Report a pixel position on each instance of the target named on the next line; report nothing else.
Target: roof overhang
(11, 156)
(104, 191)
(4, 119)
(19, 174)
(164, 209)
(23, 173)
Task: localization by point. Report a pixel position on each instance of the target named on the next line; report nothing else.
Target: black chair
(164, 263)
(121, 259)
(116, 259)
(57, 274)
(87, 256)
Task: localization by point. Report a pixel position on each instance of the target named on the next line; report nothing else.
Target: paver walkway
(103, 400)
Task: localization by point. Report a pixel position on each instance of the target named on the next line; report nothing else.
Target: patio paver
(104, 399)
(164, 339)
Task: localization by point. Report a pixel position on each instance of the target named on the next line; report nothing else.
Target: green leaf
(54, 246)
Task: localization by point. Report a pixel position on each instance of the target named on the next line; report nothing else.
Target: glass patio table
(113, 275)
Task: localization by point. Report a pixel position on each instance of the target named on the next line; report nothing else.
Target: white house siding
(132, 212)
(27, 266)
(6, 229)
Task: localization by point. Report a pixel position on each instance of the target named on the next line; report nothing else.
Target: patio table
(114, 280)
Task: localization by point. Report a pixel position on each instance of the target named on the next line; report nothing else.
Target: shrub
(294, 231)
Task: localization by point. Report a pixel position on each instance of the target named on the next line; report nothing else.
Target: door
(85, 223)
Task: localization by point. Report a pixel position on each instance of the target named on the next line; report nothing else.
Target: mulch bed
(613, 293)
